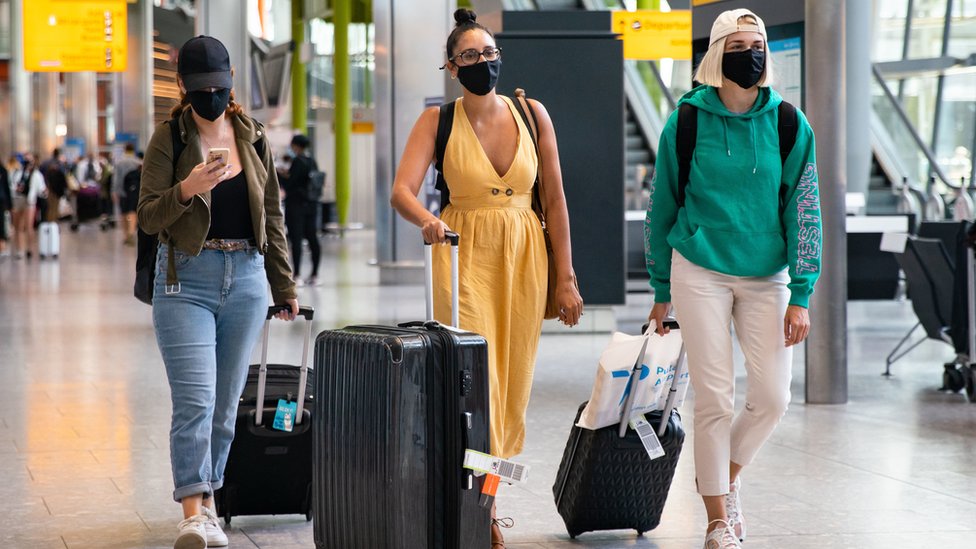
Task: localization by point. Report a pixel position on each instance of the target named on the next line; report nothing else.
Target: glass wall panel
(957, 126)
(928, 26)
(919, 104)
(321, 79)
(889, 29)
(962, 37)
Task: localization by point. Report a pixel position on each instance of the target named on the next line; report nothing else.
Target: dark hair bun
(465, 16)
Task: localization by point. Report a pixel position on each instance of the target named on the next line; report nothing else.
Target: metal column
(226, 20)
(21, 95)
(133, 99)
(826, 349)
(859, 32)
(341, 16)
(46, 109)
(406, 77)
(81, 107)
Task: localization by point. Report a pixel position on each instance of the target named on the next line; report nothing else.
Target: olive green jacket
(185, 226)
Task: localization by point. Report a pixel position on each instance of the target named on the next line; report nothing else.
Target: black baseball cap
(204, 63)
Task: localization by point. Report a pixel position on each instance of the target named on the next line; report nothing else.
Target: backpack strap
(445, 122)
(687, 137)
(787, 126)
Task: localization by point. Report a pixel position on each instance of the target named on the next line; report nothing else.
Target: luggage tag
(647, 436)
(285, 415)
(506, 470)
(488, 491)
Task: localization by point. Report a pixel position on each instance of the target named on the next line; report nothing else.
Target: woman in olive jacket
(221, 243)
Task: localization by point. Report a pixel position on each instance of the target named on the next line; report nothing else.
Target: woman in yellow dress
(490, 166)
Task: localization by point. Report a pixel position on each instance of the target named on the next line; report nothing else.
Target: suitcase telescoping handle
(429, 277)
(308, 313)
(635, 379)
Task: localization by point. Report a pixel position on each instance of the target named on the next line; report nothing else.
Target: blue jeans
(206, 333)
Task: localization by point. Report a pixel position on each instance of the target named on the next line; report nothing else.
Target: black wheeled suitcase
(269, 471)
(607, 481)
(403, 403)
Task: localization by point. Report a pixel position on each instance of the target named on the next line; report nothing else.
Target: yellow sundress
(503, 269)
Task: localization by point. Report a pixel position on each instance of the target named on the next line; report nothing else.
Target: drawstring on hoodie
(728, 146)
(755, 146)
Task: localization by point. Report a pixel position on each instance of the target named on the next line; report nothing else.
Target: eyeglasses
(472, 56)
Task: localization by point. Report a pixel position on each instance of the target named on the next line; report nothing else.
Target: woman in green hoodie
(738, 242)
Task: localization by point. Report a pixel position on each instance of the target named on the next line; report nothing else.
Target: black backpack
(131, 181)
(445, 123)
(687, 137)
(148, 244)
(316, 182)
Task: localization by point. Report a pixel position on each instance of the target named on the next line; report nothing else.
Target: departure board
(75, 35)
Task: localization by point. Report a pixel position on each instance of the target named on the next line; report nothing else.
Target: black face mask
(209, 105)
(745, 68)
(480, 78)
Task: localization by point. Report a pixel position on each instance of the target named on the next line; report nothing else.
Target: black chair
(929, 273)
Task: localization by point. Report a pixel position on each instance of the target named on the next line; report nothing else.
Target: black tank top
(230, 211)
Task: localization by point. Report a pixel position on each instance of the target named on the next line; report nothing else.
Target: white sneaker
(733, 509)
(215, 534)
(722, 537)
(193, 533)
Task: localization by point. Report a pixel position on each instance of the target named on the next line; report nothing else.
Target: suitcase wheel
(954, 379)
(969, 372)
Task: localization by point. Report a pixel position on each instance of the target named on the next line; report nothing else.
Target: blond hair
(709, 71)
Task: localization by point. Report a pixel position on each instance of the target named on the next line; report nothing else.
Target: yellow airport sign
(651, 34)
(75, 35)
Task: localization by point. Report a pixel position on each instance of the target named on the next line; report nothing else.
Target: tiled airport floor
(84, 417)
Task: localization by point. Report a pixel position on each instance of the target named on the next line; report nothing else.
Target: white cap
(728, 23)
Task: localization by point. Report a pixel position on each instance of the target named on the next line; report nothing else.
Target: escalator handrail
(903, 116)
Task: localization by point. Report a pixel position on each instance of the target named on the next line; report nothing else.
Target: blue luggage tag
(285, 415)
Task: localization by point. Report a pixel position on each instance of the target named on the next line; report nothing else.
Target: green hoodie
(731, 222)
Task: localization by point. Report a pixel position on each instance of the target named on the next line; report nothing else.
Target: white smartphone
(223, 154)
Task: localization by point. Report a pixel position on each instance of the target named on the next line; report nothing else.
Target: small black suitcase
(269, 472)
(403, 404)
(606, 481)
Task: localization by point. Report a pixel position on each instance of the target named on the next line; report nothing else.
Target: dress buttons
(509, 192)
(494, 191)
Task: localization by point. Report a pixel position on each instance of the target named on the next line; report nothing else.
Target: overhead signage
(652, 34)
(75, 35)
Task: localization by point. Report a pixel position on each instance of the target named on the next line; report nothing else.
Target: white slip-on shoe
(733, 508)
(193, 533)
(215, 534)
(722, 537)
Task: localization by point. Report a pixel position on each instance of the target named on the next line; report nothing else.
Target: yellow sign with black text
(650, 34)
(75, 35)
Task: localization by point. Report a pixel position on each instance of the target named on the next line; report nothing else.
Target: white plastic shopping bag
(613, 376)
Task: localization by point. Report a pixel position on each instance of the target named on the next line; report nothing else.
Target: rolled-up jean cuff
(196, 489)
(216, 485)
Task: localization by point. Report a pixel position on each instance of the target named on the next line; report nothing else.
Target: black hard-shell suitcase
(607, 481)
(269, 472)
(402, 405)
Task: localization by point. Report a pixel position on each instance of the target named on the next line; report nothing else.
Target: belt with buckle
(227, 245)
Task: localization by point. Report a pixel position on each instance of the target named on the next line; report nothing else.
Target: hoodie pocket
(735, 253)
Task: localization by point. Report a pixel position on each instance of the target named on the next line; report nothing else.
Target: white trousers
(706, 303)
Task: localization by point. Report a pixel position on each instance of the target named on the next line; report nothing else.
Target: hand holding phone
(219, 154)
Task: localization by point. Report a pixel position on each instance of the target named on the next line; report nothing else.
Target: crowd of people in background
(96, 187)
(89, 187)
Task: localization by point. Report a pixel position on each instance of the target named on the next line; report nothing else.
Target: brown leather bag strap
(528, 115)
